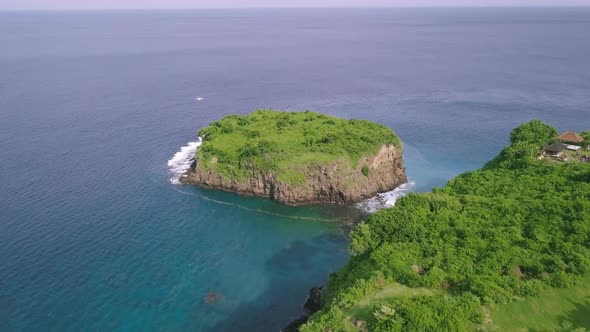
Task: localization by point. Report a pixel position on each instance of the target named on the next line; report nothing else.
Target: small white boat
(199, 98)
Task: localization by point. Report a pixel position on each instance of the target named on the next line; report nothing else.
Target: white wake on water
(387, 199)
(181, 161)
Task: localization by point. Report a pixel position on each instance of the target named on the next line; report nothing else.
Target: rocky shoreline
(312, 305)
(324, 184)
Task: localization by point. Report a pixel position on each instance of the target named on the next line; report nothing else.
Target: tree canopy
(505, 232)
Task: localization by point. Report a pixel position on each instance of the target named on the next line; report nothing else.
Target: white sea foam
(387, 199)
(181, 161)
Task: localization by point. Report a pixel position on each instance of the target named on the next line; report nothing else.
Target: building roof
(555, 147)
(571, 136)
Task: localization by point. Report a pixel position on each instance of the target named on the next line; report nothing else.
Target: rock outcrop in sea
(334, 183)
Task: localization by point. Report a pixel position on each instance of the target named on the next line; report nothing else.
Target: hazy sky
(119, 4)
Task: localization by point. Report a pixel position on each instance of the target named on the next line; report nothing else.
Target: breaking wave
(387, 199)
(181, 161)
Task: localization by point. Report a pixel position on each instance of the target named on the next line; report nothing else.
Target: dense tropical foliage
(281, 142)
(506, 232)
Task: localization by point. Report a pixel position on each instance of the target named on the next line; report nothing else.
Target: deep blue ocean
(93, 105)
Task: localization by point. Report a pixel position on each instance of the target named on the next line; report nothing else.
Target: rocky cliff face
(331, 184)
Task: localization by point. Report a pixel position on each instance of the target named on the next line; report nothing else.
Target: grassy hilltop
(285, 142)
(504, 248)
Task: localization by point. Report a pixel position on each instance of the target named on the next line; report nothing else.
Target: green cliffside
(298, 157)
(443, 261)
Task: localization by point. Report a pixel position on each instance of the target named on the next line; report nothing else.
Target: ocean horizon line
(136, 9)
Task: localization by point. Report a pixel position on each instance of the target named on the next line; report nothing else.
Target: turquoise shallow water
(93, 105)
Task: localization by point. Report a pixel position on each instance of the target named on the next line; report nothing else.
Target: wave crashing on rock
(387, 199)
(182, 160)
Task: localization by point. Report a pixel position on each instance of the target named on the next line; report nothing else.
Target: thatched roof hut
(570, 137)
(555, 148)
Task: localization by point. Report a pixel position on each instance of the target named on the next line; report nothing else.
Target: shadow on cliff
(309, 261)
